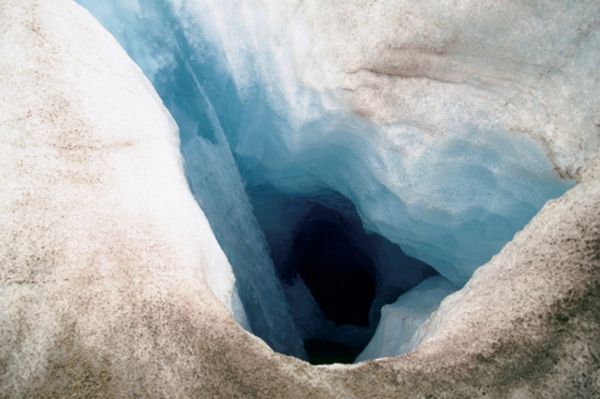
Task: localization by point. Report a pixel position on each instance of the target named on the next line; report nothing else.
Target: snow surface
(92, 159)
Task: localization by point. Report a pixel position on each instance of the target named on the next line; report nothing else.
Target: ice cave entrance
(341, 246)
(336, 275)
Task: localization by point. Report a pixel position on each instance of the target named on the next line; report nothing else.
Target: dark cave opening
(336, 274)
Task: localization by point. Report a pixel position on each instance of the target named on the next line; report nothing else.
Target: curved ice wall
(226, 74)
(203, 100)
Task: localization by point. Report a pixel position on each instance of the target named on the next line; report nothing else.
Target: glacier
(398, 332)
(263, 145)
(185, 80)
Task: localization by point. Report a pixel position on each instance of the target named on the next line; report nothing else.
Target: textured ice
(185, 78)
(451, 201)
(398, 331)
(450, 194)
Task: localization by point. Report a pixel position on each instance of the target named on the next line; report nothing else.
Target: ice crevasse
(274, 156)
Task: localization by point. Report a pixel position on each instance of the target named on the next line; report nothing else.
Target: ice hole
(315, 207)
(336, 275)
(336, 270)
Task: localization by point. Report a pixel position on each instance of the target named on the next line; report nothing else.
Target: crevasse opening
(336, 276)
(344, 236)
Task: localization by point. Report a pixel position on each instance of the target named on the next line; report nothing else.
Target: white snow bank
(95, 211)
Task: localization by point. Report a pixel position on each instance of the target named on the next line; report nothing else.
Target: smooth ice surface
(398, 331)
(228, 71)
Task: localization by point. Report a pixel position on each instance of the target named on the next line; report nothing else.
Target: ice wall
(398, 331)
(229, 71)
(335, 274)
(450, 200)
(193, 87)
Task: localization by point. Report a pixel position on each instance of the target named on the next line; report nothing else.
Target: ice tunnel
(344, 235)
(336, 275)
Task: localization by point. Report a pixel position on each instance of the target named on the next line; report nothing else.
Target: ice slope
(526, 67)
(202, 99)
(96, 216)
(148, 137)
(398, 331)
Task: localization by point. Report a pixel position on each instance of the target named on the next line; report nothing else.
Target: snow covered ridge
(106, 260)
(95, 205)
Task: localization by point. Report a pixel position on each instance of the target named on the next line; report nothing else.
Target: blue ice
(202, 99)
(453, 206)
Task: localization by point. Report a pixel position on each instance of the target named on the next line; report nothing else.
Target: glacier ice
(335, 274)
(398, 331)
(262, 149)
(152, 36)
